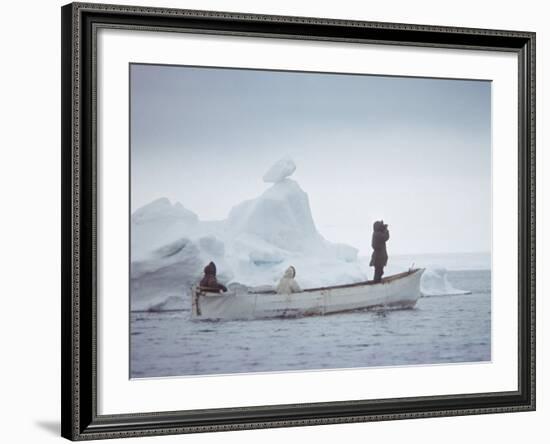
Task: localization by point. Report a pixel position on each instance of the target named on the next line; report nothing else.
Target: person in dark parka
(209, 281)
(379, 257)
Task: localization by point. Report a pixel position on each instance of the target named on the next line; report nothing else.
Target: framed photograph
(275, 221)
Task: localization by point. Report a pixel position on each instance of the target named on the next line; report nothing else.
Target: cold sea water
(448, 328)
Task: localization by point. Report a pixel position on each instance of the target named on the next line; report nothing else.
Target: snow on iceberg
(266, 257)
(166, 274)
(281, 216)
(162, 210)
(435, 283)
(181, 252)
(159, 223)
(280, 170)
(212, 246)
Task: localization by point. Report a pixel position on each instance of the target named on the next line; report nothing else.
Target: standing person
(209, 281)
(379, 257)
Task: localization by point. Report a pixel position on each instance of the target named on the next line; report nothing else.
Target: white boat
(398, 291)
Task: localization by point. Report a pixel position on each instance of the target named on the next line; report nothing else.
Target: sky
(415, 152)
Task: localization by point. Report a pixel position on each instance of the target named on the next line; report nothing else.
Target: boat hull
(398, 291)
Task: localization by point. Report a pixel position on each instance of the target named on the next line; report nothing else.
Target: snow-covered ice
(280, 170)
(436, 283)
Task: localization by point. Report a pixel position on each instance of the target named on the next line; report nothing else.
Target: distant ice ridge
(434, 280)
(259, 239)
(434, 283)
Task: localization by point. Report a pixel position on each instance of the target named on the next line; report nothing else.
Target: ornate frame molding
(80, 22)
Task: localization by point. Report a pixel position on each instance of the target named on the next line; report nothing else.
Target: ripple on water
(442, 329)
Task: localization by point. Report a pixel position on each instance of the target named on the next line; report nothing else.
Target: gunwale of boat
(385, 280)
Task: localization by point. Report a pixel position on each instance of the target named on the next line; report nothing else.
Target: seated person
(209, 281)
(288, 284)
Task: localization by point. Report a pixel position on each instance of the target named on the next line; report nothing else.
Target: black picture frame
(79, 211)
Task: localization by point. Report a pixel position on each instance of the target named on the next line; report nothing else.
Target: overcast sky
(414, 152)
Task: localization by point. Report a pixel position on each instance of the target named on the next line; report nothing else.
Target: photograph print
(301, 221)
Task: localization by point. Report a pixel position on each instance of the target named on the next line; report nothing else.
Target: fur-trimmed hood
(290, 272)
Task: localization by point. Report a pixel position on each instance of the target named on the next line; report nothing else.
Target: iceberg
(281, 216)
(435, 283)
(160, 223)
(280, 170)
(164, 275)
(162, 210)
(253, 246)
